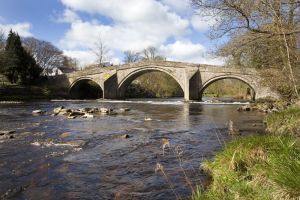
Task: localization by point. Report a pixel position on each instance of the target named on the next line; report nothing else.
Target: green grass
(285, 122)
(255, 167)
(259, 167)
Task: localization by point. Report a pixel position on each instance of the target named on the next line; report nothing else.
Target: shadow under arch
(134, 75)
(215, 79)
(85, 88)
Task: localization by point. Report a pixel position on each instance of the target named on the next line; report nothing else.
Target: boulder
(105, 110)
(76, 113)
(71, 117)
(87, 116)
(57, 110)
(7, 132)
(64, 111)
(124, 109)
(93, 110)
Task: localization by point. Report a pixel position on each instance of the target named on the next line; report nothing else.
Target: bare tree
(151, 53)
(263, 33)
(130, 56)
(46, 55)
(2, 39)
(255, 16)
(101, 51)
(69, 64)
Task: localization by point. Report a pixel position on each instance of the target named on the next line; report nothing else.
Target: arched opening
(85, 89)
(227, 89)
(150, 84)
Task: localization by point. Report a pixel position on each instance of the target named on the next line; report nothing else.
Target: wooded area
(262, 34)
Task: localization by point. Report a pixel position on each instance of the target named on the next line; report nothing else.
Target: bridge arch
(85, 88)
(127, 80)
(222, 77)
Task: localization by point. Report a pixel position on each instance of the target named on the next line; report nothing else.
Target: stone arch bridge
(192, 78)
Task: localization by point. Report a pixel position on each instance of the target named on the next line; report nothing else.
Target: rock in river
(76, 143)
(87, 116)
(38, 112)
(125, 136)
(105, 110)
(7, 132)
(124, 109)
(57, 110)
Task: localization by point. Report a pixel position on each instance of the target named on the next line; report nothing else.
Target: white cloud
(134, 25)
(86, 57)
(23, 29)
(83, 57)
(187, 51)
(183, 50)
(181, 6)
(202, 23)
(119, 11)
(122, 37)
(68, 16)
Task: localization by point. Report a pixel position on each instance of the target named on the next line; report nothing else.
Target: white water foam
(157, 102)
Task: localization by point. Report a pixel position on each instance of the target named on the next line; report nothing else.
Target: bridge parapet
(193, 78)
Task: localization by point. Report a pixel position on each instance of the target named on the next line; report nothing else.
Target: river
(110, 166)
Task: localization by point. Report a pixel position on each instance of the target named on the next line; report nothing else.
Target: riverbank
(259, 167)
(17, 93)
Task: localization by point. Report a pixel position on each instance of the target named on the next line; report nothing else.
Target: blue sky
(75, 26)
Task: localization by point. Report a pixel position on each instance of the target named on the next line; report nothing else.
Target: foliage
(154, 84)
(17, 64)
(227, 88)
(262, 34)
(255, 167)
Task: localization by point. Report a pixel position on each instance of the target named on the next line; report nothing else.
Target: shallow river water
(109, 166)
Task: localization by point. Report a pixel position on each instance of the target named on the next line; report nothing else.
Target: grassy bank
(259, 167)
(28, 93)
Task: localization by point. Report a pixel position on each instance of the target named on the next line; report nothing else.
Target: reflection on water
(110, 166)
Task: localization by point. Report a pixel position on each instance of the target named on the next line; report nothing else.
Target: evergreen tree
(17, 64)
